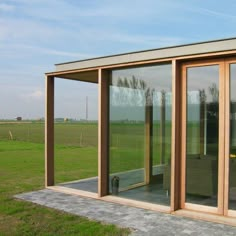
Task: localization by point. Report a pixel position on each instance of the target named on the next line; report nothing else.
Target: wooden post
(228, 127)
(176, 138)
(148, 138)
(205, 129)
(162, 126)
(103, 133)
(49, 131)
(202, 121)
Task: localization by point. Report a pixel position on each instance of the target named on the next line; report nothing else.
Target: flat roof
(160, 53)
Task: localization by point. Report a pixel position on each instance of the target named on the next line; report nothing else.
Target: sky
(36, 34)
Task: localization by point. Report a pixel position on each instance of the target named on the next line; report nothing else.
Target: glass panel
(76, 135)
(202, 135)
(140, 133)
(232, 160)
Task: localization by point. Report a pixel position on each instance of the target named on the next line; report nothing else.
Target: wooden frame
(49, 131)
(184, 205)
(227, 211)
(178, 145)
(103, 133)
(162, 127)
(221, 157)
(227, 139)
(175, 140)
(148, 141)
(224, 135)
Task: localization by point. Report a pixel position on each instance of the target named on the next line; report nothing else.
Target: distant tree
(202, 95)
(137, 93)
(214, 91)
(134, 83)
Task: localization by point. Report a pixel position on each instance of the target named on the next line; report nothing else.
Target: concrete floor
(142, 222)
(152, 193)
(89, 185)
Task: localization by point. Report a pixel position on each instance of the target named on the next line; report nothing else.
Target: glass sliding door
(232, 156)
(208, 169)
(201, 136)
(140, 133)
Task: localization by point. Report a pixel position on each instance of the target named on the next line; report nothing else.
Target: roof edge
(148, 50)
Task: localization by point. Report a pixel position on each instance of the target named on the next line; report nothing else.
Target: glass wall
(232, 159)
(202, 135)
(140, 133)
(76, 135)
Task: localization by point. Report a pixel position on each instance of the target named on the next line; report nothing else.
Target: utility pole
(86, 108)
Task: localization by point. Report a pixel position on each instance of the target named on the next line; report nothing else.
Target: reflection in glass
(232, 159)
(202, 135)
(76, 150)
(140, 133)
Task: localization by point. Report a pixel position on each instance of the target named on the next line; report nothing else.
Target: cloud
(26, 101)
(37, 94)
(25, 38)
(38, 33)
(69, 11)
(31, 96)
(17, 30)
(26, 48)
(36, 29)
(140, 39)
(50, 51)
(6, 7)
(209, 12)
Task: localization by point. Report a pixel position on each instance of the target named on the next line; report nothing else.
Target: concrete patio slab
(142, 222)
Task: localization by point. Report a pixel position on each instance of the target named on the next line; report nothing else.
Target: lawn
(22, 170)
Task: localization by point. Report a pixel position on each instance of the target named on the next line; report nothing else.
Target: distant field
(74, 134)
(127, 142)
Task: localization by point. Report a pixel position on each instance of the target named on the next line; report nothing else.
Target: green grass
(73, 134)
(22, 170)
(127, 142)
(73, 163)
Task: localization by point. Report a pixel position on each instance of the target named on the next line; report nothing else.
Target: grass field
(22, 170)
(127, 146)
(126, 141)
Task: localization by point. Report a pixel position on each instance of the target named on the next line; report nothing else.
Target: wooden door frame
(227, 212)
(221, 153)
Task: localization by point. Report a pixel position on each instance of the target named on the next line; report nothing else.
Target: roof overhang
(87, 70)
(162, 53)
(90, 76)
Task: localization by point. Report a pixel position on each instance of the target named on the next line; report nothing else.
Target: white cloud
(24, 38)
(35, 34)
(13, 29)
(6, 7)
(26, 101)
(49, 51)
(31, 96)
(147, 40)
(75, 26)
(70, 11)
(210, 12)
(37, 94)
